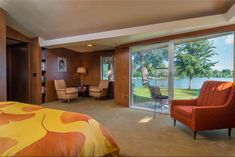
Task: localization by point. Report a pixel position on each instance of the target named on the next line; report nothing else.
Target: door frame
(170, 78)
(17, 44)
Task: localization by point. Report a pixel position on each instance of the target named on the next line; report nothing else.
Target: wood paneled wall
(3, 68)
(71, 77)
(91, 61)
(122, 61)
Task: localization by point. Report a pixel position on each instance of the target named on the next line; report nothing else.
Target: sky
(224, 49)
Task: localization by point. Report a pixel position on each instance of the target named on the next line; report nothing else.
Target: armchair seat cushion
(71, 90)
(184, 110)
(94, 89)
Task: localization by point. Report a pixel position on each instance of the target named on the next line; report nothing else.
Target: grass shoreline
(142, 94)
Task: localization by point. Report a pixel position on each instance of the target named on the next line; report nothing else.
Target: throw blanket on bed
(29, 130)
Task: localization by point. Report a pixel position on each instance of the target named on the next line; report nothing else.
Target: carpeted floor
(137, 134)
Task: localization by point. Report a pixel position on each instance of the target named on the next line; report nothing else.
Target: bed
(31, 130)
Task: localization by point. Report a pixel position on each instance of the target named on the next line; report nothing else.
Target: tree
(226, 73)
(138, 66)
(216, 73)
(144, 71)
(145, 62)
(155, 59)
(193, 59)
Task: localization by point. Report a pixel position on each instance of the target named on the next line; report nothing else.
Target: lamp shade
(81, 70)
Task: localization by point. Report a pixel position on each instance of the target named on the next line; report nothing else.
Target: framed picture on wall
(62, 64)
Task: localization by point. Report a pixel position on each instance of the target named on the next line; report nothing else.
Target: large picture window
(178, 68)
(107, 68)
(199, 59)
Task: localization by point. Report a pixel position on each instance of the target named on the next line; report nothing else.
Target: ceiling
(53, 19)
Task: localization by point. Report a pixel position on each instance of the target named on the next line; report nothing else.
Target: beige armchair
(101, 90)
(64, 93)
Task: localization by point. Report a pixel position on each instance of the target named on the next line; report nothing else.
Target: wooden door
(18, 73)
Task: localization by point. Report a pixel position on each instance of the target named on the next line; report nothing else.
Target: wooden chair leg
(174, 122)
(195, 135)
(229, 131)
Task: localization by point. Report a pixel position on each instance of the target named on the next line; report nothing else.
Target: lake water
(179, 83)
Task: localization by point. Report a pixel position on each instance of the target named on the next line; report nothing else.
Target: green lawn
(141, 94)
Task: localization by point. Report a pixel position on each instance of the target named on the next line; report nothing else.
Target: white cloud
(229, 40)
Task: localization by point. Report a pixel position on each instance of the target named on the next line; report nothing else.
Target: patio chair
(157, 97)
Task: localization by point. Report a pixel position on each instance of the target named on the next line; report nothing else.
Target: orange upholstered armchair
(213, 109)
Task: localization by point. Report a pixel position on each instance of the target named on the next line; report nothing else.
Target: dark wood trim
(18, 44)
(18, 73)
(221, 29)
(29, 73)
(9, 73)
(35, 71)
(15, 35)
(3, 56)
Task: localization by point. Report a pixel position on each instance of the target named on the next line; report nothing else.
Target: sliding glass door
(149, 68)
(178, 68)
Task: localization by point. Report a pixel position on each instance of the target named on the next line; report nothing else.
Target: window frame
(101, 67)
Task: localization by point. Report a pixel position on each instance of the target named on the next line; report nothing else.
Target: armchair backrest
(214, 93)
(103, 84)
(59, 84)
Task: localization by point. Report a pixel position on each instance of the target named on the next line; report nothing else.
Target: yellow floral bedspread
(30, 130)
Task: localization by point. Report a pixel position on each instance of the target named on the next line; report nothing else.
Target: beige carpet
(137, 134)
